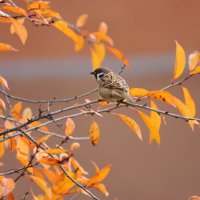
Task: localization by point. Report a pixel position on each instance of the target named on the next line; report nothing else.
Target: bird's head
(99, 73)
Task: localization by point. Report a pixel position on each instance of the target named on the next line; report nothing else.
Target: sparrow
(111, 86)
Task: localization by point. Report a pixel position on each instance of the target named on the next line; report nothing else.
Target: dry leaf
(6, 47)
(40, 182)
(2, 104)
(195, 71)
(194, 59)
(70, 126)
(97, 54)
(180, 61)
(55, 151)
(81, 21)
(16, 110)
(94, 133)
(6, 186)
(3, 82)
(132, 124)
(49, 161)
(138, 92)
(103, 28)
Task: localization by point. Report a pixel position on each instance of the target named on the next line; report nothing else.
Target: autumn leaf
(49, 13)
(20, 30)
(49, 161)
(6, 186)
(17, 10)
(55, 151)
(38, 5)
(5, 19)
(101, 187)
(40, 182)
(131, 123)
(77, 167)
(138, 92)
(3, 82)
(118, 54)
(81, 21)
(52, 177)
(74, 145)
(103, 28)
(2, 149)
(100, 176)
(180, 61)
(16, 110)
(97, 54)
(2, 104)
(194, 59)
(94, 133)
(163, 96)
(195, 71)
(70, 126)
(27, 114)
(6, 47)
(152, 126)
(12, 28)
(103, 37)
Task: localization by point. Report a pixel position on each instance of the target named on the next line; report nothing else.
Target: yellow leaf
(97, 54)
(94, 133)
(138, 92)
(4, 82)
(95, 166)
(22, 146)
(43, 139)
(103, 28)
(156, 120)
(103, 37)
(2, 104)
(40, 182)
(194, 59)
(81, 21)
(100, 176)
(70, 126)
(16, 110)
(180, 61)
(49, 161)
(55, 151)
(12, 29)
(20, 30)
(132, 124)
(118, 54)
(153, 128)
(6, 186)
(38, 5)
(195, 71)
(101, 187)
(189, 102)
(5, 19)
(52, 177)
(27, 114)
(63, 26)
(77, 168)
(2, 148)
(17, 10)
(6, 47)
(74, 145)
(49, 13)
(37, 123)
(163, 96)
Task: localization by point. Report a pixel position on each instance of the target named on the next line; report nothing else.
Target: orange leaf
(100, 176)
(194, 60)
(103, 37)
(70, 126)
(38, 5)
(156, 119)
(6, 47)
(118, 54)
(16, 10)
(195, 71)
(163, 96)
(63, 26)
(132, 124)
(49, 161)
(6, 186)
(4, 82)
(2, 148)
(5, 19)
(94, 133)
(95, 166)
(103, 28)
(98, 54)
(20, 30)
(81, 21)
(2, 104)
(10, 196)
(52, 177)
(138, 92)
(49, 13)
(16, 110)
(12, 29)
(77, 168)
(152, 126)
(55, 151)
(74, 146)
(101, 187)
(180, 61)
(189, 102)
(40, 182)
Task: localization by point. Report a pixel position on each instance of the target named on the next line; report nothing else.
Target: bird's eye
(100, 75)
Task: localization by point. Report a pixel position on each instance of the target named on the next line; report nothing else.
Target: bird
(111, 86)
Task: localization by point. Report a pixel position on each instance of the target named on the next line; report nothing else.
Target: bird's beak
(92, 73)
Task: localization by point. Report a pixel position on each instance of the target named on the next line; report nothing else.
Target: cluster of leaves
(40, 13)
(54, 169)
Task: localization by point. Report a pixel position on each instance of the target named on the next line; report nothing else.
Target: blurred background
(145, 31)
